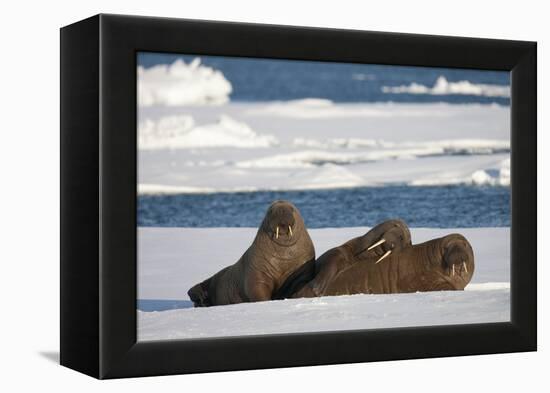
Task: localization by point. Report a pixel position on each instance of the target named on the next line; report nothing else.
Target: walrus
(446, 263)
(377, 244)
(282, 245)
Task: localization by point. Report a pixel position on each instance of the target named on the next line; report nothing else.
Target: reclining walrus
(281, 246)
(446, 263)
(377, 244)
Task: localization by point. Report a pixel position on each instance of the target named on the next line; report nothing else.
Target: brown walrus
(281, 246)
(377, 244)
(446, 263)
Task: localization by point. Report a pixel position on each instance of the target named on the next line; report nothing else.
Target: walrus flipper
(199, 294)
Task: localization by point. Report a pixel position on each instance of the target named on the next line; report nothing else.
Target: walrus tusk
(381, 241)
(465, 268)
(290, 230)
(383, 256)
(277, 233)
(453, 270)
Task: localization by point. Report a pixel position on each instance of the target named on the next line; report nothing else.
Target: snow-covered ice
(314, 144)
(178, 132)
(171, 260)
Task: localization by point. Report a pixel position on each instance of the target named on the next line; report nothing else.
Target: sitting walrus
(281, 246)
(313, 279)
(446, 263)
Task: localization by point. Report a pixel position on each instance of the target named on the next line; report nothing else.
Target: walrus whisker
(465, 268)
(381, 241)
(290, 230)
(277, 232)
(383, 256)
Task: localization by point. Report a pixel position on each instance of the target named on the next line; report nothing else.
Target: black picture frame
(98, 196)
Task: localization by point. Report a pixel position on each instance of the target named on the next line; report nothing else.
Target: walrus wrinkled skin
(375, 246)
(446, 263)
(281, 246)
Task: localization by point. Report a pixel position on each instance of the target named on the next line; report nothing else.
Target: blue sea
(256, 80)
(428, 206)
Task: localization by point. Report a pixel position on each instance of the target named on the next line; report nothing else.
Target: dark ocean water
(435, 207)
(269, 79)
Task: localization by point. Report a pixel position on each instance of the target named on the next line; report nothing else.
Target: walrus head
(446, 263)
(282, 223)
(391, 236)
(457, 259)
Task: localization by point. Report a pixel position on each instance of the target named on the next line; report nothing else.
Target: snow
(443, 87)
(171, 260)
(334, 313)
(316, 143)
(181, 83)
(308, 170)
(309, 158)
(316, 108)
(178, 132)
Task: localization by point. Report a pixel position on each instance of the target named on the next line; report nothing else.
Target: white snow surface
(171, 260)
(315, 144)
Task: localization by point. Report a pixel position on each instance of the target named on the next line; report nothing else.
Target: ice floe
(181, 83)
(443, 87)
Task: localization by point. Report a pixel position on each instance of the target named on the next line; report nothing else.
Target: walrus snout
(281, 220)
(458, 257)
(199, 296)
